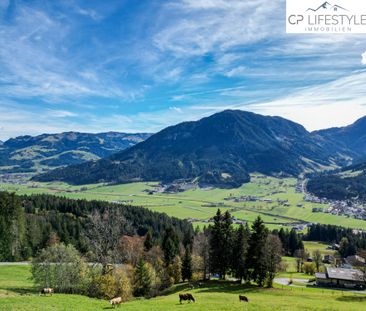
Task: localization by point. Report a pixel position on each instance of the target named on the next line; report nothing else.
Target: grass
(15, 277)
(211, 296)
(311, 246)
(193, 203)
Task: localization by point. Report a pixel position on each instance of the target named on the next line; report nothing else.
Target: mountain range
(39, 153)
(222, 150)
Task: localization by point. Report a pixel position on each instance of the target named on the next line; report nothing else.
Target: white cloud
(199, 27)
(35, 60)
(363, 58)
(60, 113)
(237, 71)
(88, 12)
(176, 109)
(337, 103)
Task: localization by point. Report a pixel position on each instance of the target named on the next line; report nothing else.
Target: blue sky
(135, 66)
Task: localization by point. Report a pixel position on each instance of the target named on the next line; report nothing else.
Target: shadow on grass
(21, 291)
(176, 289)
(215, 287)
(352, 298)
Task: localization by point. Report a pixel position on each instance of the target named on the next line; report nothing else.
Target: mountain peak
(219, 150)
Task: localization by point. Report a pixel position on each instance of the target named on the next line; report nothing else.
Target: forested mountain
(352, 137)
(219, 150)
(27, 223)
(39, 153)
(348, 183)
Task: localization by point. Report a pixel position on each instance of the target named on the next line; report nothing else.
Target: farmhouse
(338, 277)
(355, 261)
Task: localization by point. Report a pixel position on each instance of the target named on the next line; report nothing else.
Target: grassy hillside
(16, 294)
(201, 205)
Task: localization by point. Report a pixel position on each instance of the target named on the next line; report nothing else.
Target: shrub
(123, 286)
(309, 268)
(107, 286)
(60, 267)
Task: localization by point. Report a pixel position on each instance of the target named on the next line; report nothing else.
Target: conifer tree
(148, 243)
(170, 245)
(142, 279)
(240, 251)
(255, 260)
(187, 265)
(221, 244)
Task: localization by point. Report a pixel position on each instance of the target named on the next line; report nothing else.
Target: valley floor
(17, 294)
(274, 199)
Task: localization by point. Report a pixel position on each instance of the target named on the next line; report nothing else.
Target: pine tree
(294, 242)
(228, 242)
(149, 243)
(187, 265)
(240, 250)
(170, 245)
(142, 280)
(216, 243)
(221, 244)
(255, 259)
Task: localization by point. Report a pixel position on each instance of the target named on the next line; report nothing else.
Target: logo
(345, 16)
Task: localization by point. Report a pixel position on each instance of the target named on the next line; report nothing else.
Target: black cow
(185, 297)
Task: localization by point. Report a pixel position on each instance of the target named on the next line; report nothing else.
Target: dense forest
(335, 187)
(348, 183)
(27, 223)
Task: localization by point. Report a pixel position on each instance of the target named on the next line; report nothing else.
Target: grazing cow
(115, 301)
(47, 290)
(185, 297)
(243, 298)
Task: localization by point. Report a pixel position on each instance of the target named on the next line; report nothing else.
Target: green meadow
(17, 294)
(201, 204)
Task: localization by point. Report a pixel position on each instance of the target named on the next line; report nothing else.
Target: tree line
(27, 223)
(350, 241)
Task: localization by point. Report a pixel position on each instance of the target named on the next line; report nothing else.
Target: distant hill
(47, 151)
(352, 137)
(219, 150)
(348, 183)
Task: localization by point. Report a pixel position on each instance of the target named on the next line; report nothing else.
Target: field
(200, 205)
(17, 294)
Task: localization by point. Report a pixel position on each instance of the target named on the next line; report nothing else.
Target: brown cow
(115, 301)
(185, 297)
(243, 298)
(47, 290)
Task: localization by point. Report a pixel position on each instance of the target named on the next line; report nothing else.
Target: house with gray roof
(339, 277)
